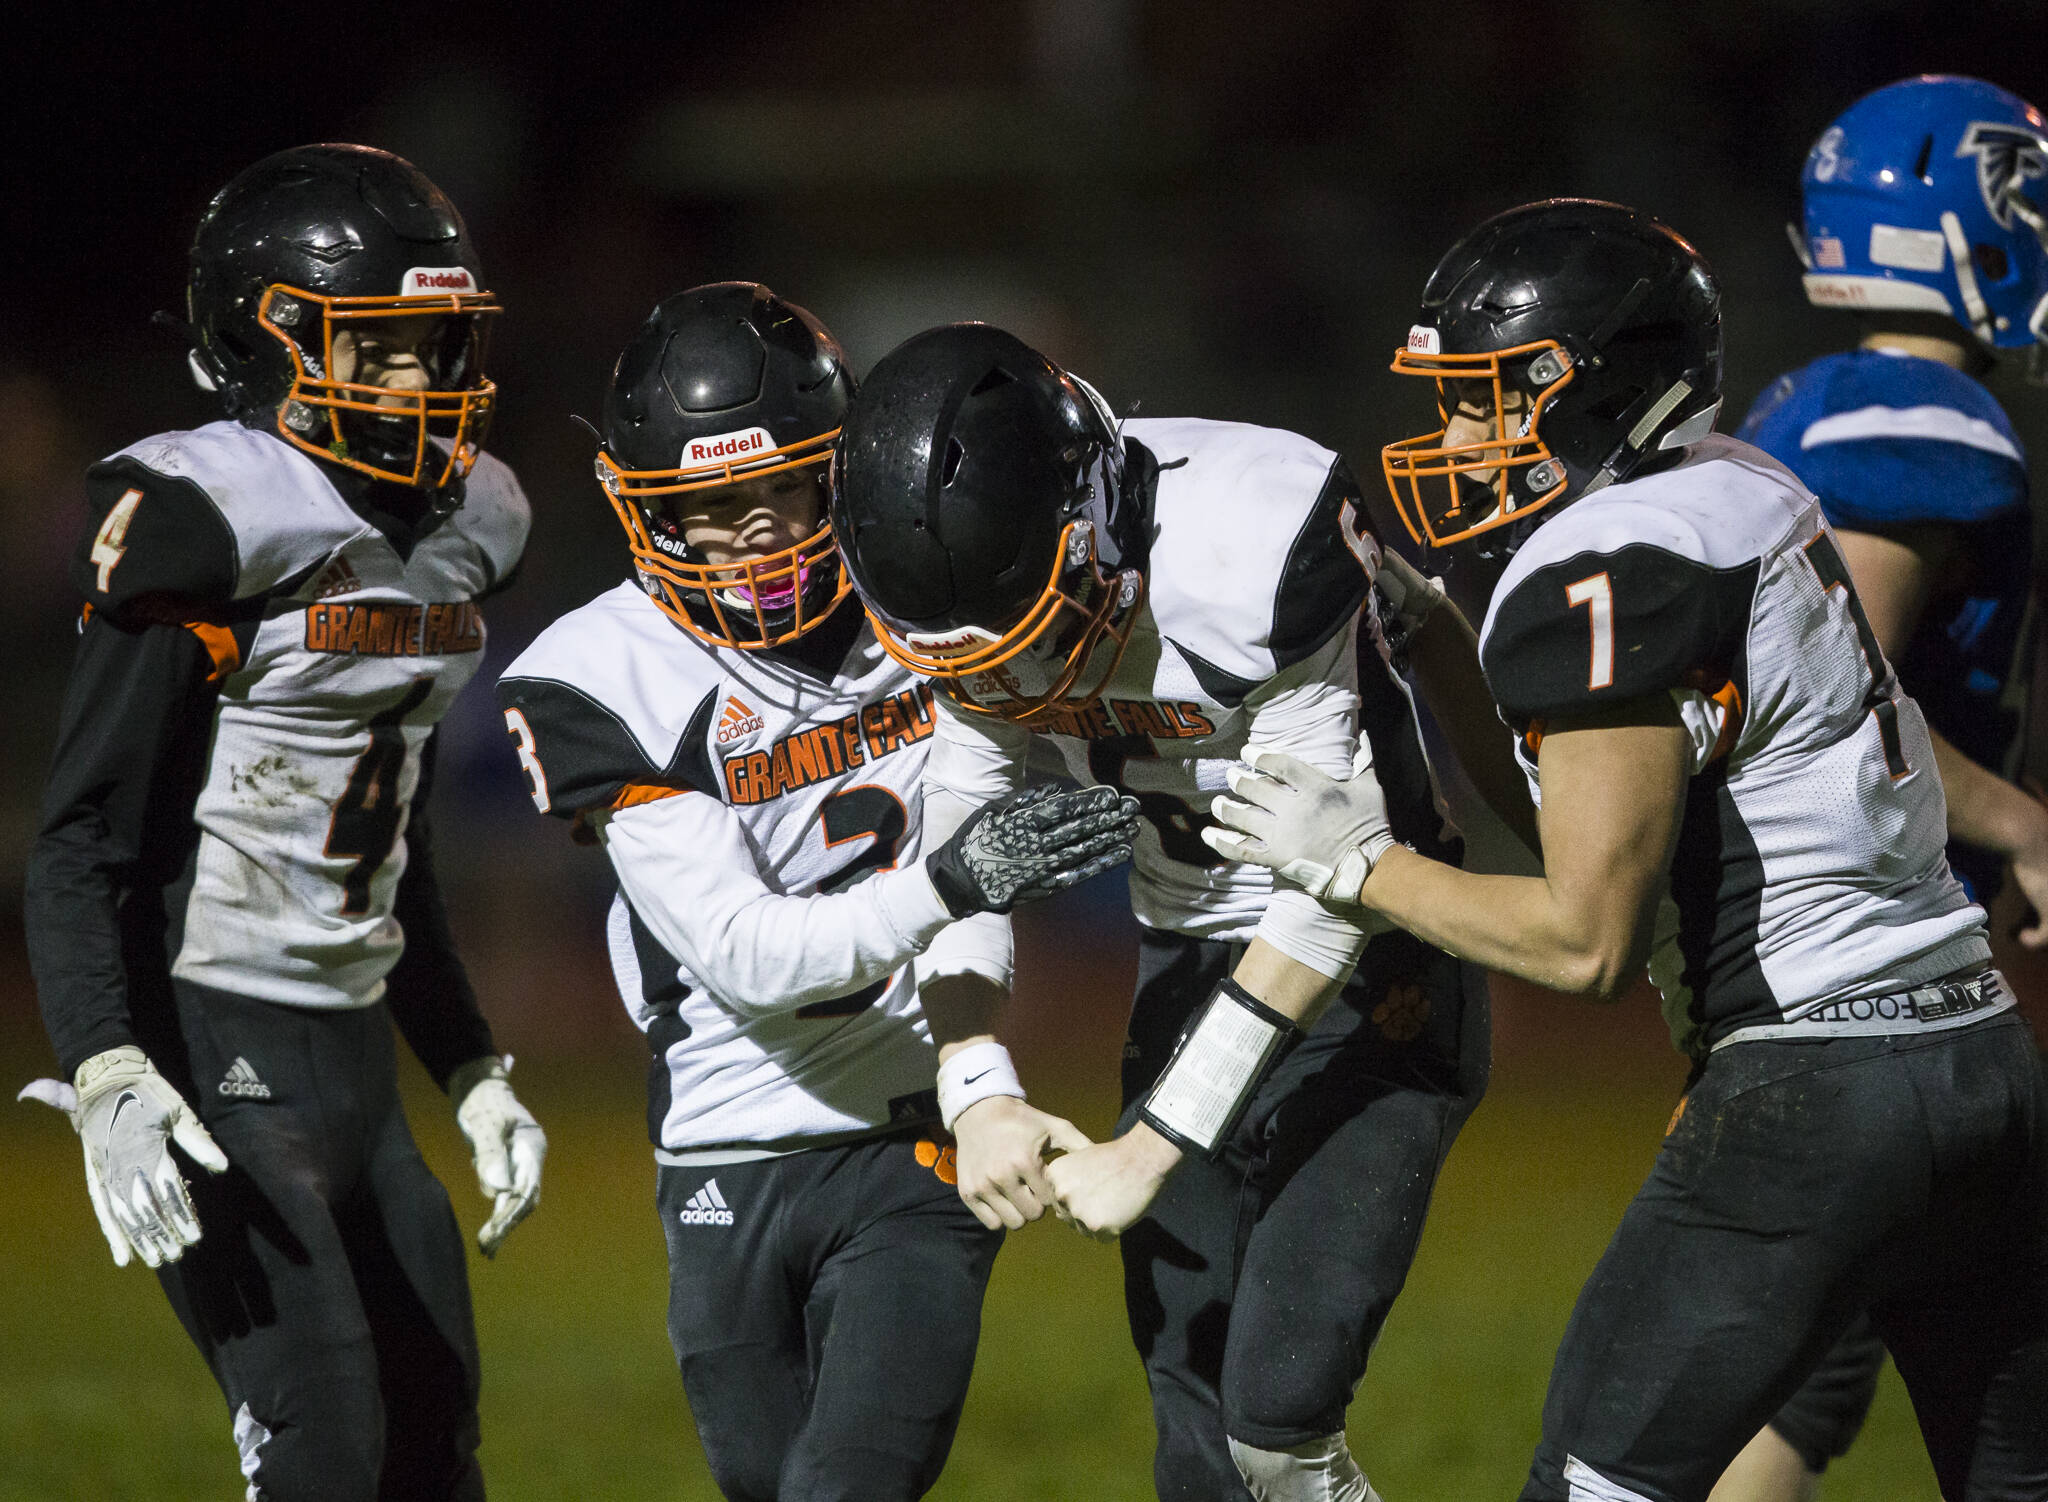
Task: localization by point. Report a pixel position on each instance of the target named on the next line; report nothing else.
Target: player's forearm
(961, 1010)
(1444, 656)
(428, 992)
(1520, 925)
(130, 754)
(1984, 809)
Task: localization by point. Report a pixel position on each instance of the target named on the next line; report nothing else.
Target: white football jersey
(764, 819)
(340, 656)
(1809, 876)
(1247, 632)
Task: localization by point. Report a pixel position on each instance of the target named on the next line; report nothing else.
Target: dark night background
(1217, 209)
(1225, 210)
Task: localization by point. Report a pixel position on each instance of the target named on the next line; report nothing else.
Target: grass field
(101, 1398)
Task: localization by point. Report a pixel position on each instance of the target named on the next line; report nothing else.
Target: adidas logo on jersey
(242, 1080)
(736, 721)
(706, 1207)
(336, 579)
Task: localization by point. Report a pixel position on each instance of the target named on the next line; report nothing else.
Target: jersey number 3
(1826, 559)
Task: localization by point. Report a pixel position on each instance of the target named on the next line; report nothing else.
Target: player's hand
(1412, 594)
(505, 1142)
(1103, 1191)
(1319, 833)
(1031, 844)
(1001, 1156)
(126, 1116)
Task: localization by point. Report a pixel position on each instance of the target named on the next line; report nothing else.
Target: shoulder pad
(595, 706)
(150, 534)
(1254, 564)
(1628, 600)
(282, 516)
(496, 518)
(1892, 441)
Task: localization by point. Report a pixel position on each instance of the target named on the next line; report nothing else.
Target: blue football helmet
(1931, 195)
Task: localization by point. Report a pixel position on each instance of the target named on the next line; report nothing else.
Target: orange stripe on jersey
(220, 645)
(218, 640)
(1729, 697)
(633, 794)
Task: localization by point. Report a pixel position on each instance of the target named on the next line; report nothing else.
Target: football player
(1701, 705)
(750, 760)
(1148, 596)
(1925, 208)
(232, 896)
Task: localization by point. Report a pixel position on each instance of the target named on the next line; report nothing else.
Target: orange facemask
(462, 417)
(737, 597)
(1433, 482)
(1084, 614)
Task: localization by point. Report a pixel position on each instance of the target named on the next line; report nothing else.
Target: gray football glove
(505, 1142)
(127, 1116)
(1031, 844)
(1313, 830)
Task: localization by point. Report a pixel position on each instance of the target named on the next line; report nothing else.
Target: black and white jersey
(266, 792)
(1247, 632)
(1809, 875)
(763, 813)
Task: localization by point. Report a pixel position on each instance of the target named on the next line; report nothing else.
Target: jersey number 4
(1880, 700)
(367, 816)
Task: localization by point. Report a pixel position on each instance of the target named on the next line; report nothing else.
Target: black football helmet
(979, 499)
(1605, 319)
(318, 239)
(724, 383)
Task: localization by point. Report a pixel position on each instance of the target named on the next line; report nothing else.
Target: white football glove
(1321, 834)
(126, 1116)
(505, 1142)
(1412, 593)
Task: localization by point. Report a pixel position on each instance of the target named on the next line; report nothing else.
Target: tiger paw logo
(943, 1161)
(1401, 1015)
(736, 720)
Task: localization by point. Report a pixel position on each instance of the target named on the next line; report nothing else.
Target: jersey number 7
(1827, 563)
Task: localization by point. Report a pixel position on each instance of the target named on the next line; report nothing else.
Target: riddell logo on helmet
(723, 448)
(423, 281)
(1424, 341)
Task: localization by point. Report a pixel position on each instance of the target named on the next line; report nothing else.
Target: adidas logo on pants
(706, 1207)
(242, 1080)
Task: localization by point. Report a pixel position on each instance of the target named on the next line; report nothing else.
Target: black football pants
(1800, 1184)
(1257, 1284)
(824, 1307)
(328, 1291)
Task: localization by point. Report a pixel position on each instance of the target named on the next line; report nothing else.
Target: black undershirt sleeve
(428, 990)
(116, 830)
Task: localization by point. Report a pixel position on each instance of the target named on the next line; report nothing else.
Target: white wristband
(974, 1074)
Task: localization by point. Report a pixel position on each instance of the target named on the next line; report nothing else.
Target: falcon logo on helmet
(979, 497)
(1571, 342)
(301, 252)
(724, 383)
(2008, 158)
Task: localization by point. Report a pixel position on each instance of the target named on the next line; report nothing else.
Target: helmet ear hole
(1991, 261)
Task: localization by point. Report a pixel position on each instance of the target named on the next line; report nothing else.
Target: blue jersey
(1892, 441)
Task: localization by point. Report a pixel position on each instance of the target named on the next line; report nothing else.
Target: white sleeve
(974, 759)
(691, 874)
(1310, 711)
